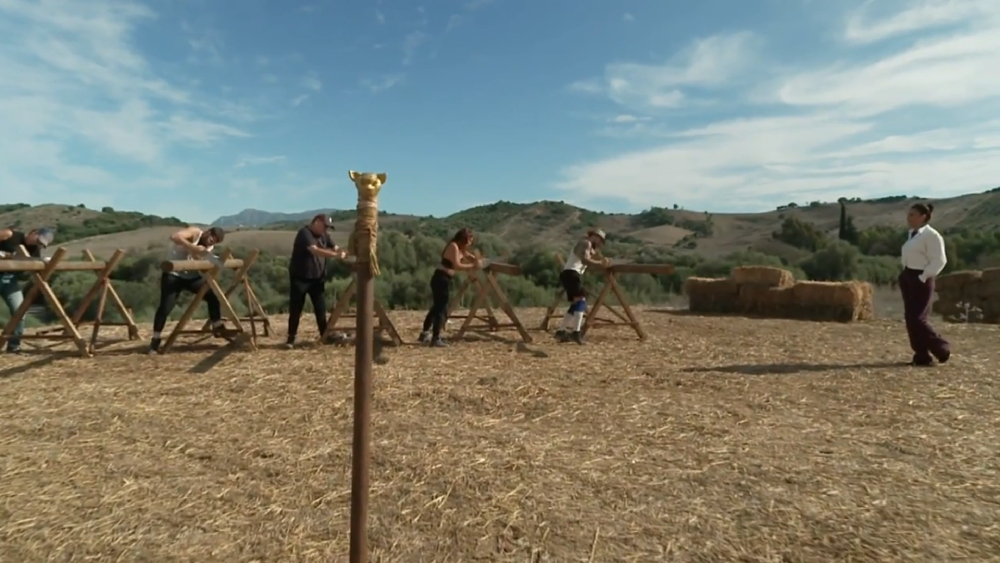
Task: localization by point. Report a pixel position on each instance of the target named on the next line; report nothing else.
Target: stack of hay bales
(774, 293)
(959, 296)
(834, 301)
(989, 293)
(761, 290)
(711, 295)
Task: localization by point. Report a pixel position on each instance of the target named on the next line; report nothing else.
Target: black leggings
(438, 315)
(300, 288)
(171, 287)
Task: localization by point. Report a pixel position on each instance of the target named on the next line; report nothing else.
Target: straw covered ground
(718, 440)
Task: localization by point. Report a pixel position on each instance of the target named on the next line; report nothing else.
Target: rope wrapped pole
(362, 244)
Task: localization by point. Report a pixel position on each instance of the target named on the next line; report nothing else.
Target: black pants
(917, 295)
(572, 284)
(300, 288)
(438, 315)
(171, 287)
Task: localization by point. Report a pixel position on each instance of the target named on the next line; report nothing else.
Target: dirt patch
(718, 440)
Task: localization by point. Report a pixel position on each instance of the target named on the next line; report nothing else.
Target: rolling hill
(545, 223)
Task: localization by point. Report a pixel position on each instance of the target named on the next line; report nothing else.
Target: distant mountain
(251, 218)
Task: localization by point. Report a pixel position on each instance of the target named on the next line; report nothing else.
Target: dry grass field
(718, 440)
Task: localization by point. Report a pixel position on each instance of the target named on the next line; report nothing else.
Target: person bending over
(191, 243)
(571, 279)
(307, 273)
(10, 283)
(456, 257)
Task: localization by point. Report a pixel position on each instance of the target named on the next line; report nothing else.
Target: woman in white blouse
(923, 259)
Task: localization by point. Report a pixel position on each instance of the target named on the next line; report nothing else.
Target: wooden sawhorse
(487, 290)
(41, 271)
(625, 317)
(210, 270)
(341, 310)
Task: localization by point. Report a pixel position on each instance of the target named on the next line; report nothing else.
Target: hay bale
(989, 285)
(991, 311)
(777, 303)
(956, 281)
(834, 301)
(710, 295)
(991, 276)
(764, 276)
(773, 302)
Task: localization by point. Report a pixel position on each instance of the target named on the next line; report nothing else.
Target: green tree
(801, 234)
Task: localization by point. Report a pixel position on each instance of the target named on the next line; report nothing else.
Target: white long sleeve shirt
(924, 251)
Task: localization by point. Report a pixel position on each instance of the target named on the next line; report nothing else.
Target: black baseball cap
(326, 219)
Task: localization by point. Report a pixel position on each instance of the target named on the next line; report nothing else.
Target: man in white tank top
(191, 243)
(571, 278)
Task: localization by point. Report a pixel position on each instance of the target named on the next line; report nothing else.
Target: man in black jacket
(10, 287)
(307, 273)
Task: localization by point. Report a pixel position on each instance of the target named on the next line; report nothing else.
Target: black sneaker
(576, 337)
(14, 350)
(943, 358)
(154, 346)
(290, 345)
(561, 335)
(425, 337)
(438, 343)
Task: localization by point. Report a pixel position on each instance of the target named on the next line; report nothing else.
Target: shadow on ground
(769, 369)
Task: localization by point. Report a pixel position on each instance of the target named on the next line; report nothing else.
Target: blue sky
(199, 108)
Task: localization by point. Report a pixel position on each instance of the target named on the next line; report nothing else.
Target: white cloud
(312, 82)
(627, 118)
(297, 100)
(707, 63)
(81, 102)
(628, 18)
(410, 45)
(908, 119)
(259, 160)
(861, 28)
(456, 20)
(382, 83)
(379, 17)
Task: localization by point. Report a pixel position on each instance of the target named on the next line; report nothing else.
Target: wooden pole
(362, 244)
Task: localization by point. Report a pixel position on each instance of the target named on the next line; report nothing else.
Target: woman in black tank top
(455, 257)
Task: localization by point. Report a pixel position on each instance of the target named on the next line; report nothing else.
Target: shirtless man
(571, 279)
(191, 243)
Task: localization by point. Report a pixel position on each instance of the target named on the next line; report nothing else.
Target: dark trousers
(171, 287)
(438, 314)
(917, 295)
(299, 289)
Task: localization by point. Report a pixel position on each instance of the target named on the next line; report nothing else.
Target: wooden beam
(502, 268)
(198, 265)
(38, 265)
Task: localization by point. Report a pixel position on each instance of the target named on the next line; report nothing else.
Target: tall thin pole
(363, 245)
(361, 450)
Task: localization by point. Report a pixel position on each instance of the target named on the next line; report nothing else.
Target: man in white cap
(10, 287)
(571, 279)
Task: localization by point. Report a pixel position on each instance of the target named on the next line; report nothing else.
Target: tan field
(717, 440)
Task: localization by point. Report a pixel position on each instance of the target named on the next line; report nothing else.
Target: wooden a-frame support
(487, 290)
(238, 334)
(625, 317)
(40, 286)
(101, 290)
(342, 310)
